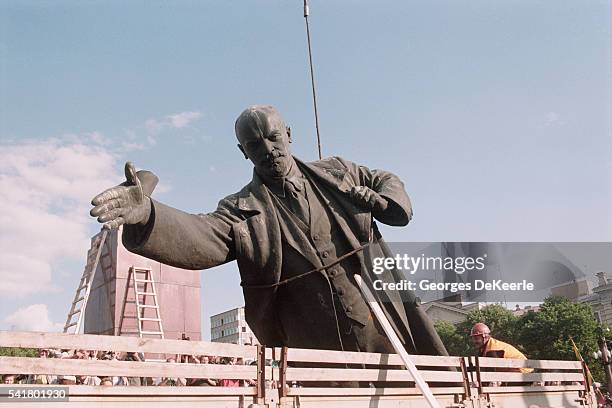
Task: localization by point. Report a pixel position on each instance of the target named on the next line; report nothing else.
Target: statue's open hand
(369, 199)
(123, 204)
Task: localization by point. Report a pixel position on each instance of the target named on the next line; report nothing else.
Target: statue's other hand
(123, 204)
(369, 199)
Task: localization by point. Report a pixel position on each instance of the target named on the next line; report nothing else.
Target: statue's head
(264, 139)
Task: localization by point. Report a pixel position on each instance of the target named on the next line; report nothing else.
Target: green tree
(18, 352)
(453, 341)
(545, 335)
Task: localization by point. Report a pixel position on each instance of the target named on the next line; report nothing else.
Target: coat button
(315, 237)
(325, 254)
(340, 291)
(332, 272)
(349, 309)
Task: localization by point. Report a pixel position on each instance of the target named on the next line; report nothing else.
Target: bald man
(297, 231)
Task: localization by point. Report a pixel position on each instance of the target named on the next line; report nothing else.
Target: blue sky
(496, 115)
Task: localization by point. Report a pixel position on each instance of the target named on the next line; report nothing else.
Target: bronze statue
(297, 231)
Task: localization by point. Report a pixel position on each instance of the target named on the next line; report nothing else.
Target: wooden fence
(297, 377)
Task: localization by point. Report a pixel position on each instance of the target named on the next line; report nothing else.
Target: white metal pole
(397, 344)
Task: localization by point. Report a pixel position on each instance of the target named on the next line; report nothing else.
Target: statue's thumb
(130, 175)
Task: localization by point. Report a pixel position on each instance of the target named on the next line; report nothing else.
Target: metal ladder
(141, 280)
(79, 303)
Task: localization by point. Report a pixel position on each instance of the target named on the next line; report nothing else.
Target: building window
(597, 314)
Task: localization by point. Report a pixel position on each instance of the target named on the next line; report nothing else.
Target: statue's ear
(289, 133)
(242, 150)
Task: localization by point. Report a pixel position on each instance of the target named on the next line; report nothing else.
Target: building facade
(447, 311)
(601, 299)
(231, 327)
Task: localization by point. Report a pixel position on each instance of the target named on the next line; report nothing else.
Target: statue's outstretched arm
(184, 240)
(163, 233)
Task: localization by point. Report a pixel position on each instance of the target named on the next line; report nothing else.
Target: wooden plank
(486, 376)
(349, 392)
(350, 374)
(123, 343)
(87, 390)
(352, 357)
(543, 364)
(521, 390)
(25, 365)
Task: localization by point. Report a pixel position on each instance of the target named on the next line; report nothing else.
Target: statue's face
(264, 139)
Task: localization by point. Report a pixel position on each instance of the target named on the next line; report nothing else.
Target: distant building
(576, 291)
(601, 299)
(519, 311)
(231, 327)
(447, 311)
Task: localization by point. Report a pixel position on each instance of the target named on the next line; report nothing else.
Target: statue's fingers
(114, 224)
(373, 199)
(107, 206)
(107, 195)
(111, 215)
(364, 194)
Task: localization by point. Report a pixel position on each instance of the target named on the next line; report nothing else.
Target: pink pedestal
(178, 295)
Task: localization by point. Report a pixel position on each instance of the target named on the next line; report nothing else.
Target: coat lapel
(260, 232)
(339, 182)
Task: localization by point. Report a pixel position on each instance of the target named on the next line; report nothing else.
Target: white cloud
(154, 126)
(99, 138)
(180, 120)
(163, 188)
(553, 119)
(131, 146)
(32, 318)
(45, 191)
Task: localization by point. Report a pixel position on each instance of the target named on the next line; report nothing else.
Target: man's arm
(384, 194)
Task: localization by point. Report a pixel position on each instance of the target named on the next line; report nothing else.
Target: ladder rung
(143, 280)
(70, 325)
(78, 300)
(146, 293)
(149, 332)
(150, 319)
(150, 306)
(75, 312)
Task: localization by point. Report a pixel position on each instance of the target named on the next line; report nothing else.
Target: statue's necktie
(295, 195)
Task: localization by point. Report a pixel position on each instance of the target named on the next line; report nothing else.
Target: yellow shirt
(508, 351)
